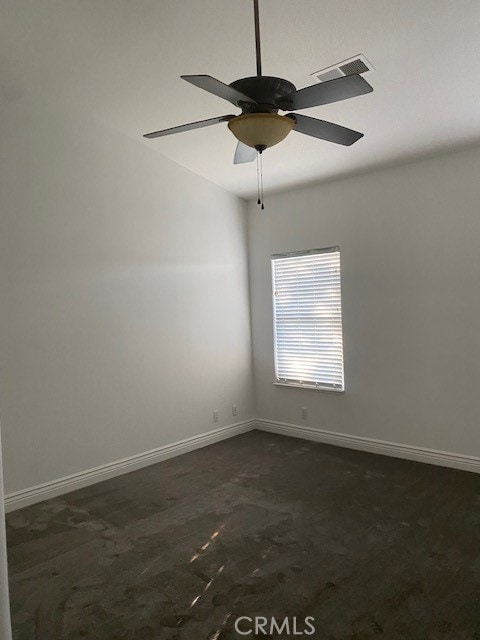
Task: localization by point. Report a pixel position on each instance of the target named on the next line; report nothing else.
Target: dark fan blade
(244, 154)
(326, 92)
(220, 89)
(187, 127)
(324, 130)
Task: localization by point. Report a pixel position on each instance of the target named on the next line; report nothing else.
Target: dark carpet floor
(258, 525)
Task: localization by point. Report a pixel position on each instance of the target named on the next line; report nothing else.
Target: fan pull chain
(260, 201)
(258, 180)
(261, 181)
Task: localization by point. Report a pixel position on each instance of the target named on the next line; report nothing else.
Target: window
(307, 317)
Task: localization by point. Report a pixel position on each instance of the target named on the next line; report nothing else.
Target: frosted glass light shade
(261, 129)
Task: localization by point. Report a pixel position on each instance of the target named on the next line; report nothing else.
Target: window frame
(286, 383)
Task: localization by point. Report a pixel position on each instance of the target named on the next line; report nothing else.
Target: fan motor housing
(267, 91)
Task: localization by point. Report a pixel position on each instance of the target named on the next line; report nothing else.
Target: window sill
(292, 385)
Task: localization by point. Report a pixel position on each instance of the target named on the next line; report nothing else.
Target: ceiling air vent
(356, 65)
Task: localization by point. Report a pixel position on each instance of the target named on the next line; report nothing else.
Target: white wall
(409, 238)
(124, 318)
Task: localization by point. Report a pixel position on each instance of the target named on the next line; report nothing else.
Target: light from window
(307, 317)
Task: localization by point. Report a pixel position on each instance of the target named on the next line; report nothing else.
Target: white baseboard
(31, 495)
(409, 452)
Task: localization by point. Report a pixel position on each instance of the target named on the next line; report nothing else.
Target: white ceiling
(121, 60)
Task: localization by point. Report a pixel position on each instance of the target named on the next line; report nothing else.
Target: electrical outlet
(304, 413)
(234, 409)
(215, 416)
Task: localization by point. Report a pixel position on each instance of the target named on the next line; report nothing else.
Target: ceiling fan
(260, 98)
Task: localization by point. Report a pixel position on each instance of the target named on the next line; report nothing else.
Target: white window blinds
(307, 312)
